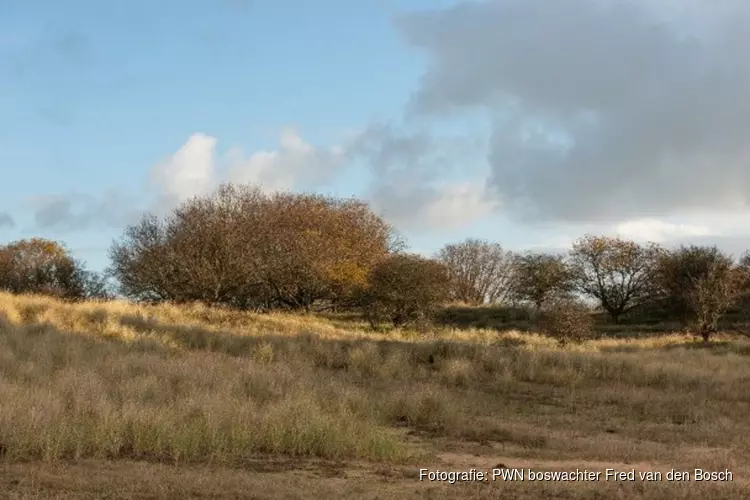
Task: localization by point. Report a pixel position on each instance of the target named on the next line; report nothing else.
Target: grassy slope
(187, 399)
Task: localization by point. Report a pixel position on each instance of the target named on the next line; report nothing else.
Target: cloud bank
(601, 111)
(618, 116)
(409, 172)
(423, 181)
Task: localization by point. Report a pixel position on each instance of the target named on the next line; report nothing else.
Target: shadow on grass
(719, 347)
(714, 347)
(489, 317)
(504, 319)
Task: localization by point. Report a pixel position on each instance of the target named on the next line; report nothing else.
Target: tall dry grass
(193, 384)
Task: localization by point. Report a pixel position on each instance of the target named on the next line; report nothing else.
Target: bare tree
(144, 263)
(480, 271)
(617, 272)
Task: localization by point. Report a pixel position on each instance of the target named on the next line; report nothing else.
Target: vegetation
(618, 273)
(567, 320)
(94, 392)
(540, 278)
(480, 271)
(248, 250)
(405, 288)
(241, 248)
(701, 283)
(253, 336)
(47, 267)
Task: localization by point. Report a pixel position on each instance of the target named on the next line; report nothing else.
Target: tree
(617, 272)
(242, 248)
(44, 266)
(405, 288)
(701, 283)
(215, 242)
(319, 247)
(480, 271)
(745, 260)
(540, 277)
(145, 264)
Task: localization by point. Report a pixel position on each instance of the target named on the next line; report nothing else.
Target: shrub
(567, 320)
(46, 267)
(700, 284)
(405, 289)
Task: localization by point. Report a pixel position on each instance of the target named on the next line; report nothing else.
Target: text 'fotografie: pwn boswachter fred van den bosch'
(576, 475)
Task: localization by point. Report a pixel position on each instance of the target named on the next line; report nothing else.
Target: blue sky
(97, 96)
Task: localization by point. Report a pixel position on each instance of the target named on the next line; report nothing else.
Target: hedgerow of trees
(242, 248)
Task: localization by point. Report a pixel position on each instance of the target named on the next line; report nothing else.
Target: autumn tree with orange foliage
(318, 247)
(44, 266)
(246, 249)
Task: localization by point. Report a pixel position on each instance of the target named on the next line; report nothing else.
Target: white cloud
(459, 204)
(295, 163)
(196, 168)
(407, 171)
(190, 171)
(433, 207)
(660, 231)
(422, 181)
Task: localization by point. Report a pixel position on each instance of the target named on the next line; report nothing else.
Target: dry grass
(213, 388)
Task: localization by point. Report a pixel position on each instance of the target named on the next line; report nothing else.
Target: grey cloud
(82, 212)
(601, 110)
(733, 245)
(409, 170)
(6, 220)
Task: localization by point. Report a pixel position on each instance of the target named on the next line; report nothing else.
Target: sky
(526, 122)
